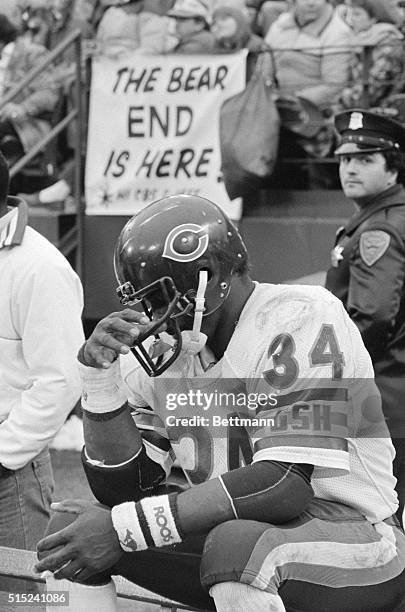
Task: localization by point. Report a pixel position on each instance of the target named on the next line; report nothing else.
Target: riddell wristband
(150, 522)
(102, 388)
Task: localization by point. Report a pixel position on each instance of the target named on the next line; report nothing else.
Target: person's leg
(383, 597)
(240, 597)
(399, 473)
(330, 558)
(329, 554)
(25, 497)
(171, 572)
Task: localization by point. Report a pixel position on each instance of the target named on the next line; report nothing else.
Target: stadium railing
(67, 228)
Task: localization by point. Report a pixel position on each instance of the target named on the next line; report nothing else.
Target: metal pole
(79, 199)
(367, 60)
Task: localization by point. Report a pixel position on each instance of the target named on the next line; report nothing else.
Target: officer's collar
(393, 196)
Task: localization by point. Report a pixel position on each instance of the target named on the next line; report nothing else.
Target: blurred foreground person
(40, 332)
(27, 118)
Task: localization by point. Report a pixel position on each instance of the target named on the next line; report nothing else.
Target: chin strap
(194, 340)
(199, 305)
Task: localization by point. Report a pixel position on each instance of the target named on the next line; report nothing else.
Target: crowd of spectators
(372, 26)
(316, 52)
(25, 119)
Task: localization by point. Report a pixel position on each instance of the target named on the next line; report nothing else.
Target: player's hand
(114, 335)
(85, 547)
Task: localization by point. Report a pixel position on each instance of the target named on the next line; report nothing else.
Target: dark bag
(249, 126)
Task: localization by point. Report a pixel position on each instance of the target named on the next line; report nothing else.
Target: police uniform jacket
(368, 276)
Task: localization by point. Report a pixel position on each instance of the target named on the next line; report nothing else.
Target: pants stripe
(328, 563)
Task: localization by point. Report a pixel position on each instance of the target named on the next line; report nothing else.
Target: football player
(264, 395)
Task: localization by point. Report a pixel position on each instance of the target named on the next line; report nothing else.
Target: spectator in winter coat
(132, 26)
(386, 61)
(192, 29)
(232, 32)
(25, 120)
(312, 52)
(311, 65)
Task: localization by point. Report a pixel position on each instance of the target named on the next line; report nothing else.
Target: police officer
(368, 259)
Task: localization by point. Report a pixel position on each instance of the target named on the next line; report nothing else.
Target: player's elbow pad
(269, 491)
(130, 482)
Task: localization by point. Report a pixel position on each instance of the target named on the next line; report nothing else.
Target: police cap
(365, 132)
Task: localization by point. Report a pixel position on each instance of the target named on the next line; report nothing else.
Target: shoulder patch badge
(373, 245)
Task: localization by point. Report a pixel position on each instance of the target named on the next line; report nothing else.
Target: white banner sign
(154, 130)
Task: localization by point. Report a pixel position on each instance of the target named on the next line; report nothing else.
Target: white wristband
(126, 524)
(102, 389)
(160, 520)
(149, 522)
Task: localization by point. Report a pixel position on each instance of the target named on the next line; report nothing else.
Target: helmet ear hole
(207, 270)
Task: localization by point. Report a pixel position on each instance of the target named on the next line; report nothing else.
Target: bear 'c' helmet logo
(186, 242)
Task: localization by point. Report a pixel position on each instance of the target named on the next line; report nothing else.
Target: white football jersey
(295, 384)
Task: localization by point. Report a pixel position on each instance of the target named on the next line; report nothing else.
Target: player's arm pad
(269, 491)
(129, 482)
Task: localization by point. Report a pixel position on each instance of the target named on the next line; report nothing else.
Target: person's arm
(265, 491)
(46, 305)
(40, 96)
(377, 275)
(112, 437)
(269, 491)
(124, 457)
(121, 459)
(276, 487)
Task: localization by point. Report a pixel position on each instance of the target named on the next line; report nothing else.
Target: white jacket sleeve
(44, 384)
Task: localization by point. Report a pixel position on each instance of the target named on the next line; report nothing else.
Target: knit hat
(190, 8)
(242, 32)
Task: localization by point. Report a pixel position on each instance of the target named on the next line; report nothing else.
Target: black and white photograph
(202, 305)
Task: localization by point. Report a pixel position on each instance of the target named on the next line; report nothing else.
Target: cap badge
(356, 121)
